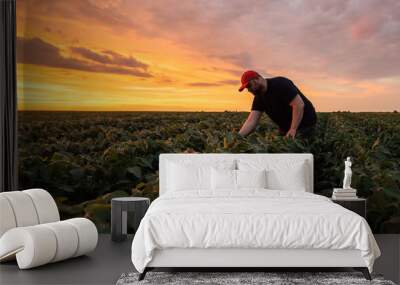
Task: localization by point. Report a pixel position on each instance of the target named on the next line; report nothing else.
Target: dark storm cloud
(37, 51)
(109, 57)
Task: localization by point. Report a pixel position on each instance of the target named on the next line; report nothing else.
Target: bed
(246, 211)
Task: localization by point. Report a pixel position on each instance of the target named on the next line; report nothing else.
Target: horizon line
(201, 111)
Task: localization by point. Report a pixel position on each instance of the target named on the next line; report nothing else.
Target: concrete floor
(388, 263)
(102, 266)
(111, 259)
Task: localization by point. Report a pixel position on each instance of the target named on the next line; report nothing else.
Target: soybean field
(86, 158)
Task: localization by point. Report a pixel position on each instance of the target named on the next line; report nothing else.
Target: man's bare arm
(251, 123)
(297, 105)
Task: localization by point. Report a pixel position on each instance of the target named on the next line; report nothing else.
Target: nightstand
(357, 205)
(119, 208)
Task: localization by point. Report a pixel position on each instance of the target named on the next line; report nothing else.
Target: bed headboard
(207, 158)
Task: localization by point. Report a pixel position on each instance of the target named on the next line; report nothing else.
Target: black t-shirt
(275, 103)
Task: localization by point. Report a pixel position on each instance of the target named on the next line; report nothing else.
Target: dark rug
(229, 278)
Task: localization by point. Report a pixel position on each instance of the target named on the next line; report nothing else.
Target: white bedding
(250, 218)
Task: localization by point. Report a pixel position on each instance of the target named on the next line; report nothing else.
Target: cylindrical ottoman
(119, 208)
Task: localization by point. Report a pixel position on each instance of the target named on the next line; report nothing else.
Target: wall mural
(104, 87)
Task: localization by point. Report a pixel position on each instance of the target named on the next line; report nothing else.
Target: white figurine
(347, 174)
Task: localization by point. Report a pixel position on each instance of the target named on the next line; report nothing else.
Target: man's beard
(257, 91)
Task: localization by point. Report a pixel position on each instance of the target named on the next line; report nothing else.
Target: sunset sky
(169, 55)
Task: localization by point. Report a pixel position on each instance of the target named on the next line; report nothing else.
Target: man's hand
(231, 138)
(291, 133)
(251, 123)
(236, 136)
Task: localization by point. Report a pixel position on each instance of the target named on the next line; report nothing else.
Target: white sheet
(250, 218)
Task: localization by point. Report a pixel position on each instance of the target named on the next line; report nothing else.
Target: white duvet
(250, 219)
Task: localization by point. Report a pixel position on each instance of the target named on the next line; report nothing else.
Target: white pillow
(227, 179)
(251, 178)
(291, 175)
(223, 179)
(193, 175)
(181, 177)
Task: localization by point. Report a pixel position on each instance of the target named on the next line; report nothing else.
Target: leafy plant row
(86, 158)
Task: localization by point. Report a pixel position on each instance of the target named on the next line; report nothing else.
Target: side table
(357, 205)
(119, 214)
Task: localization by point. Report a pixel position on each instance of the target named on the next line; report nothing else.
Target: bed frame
(247, 259)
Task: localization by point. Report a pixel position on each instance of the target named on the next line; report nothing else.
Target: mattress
(252, 219)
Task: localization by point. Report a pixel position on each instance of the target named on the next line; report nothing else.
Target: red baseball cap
(246, 77)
